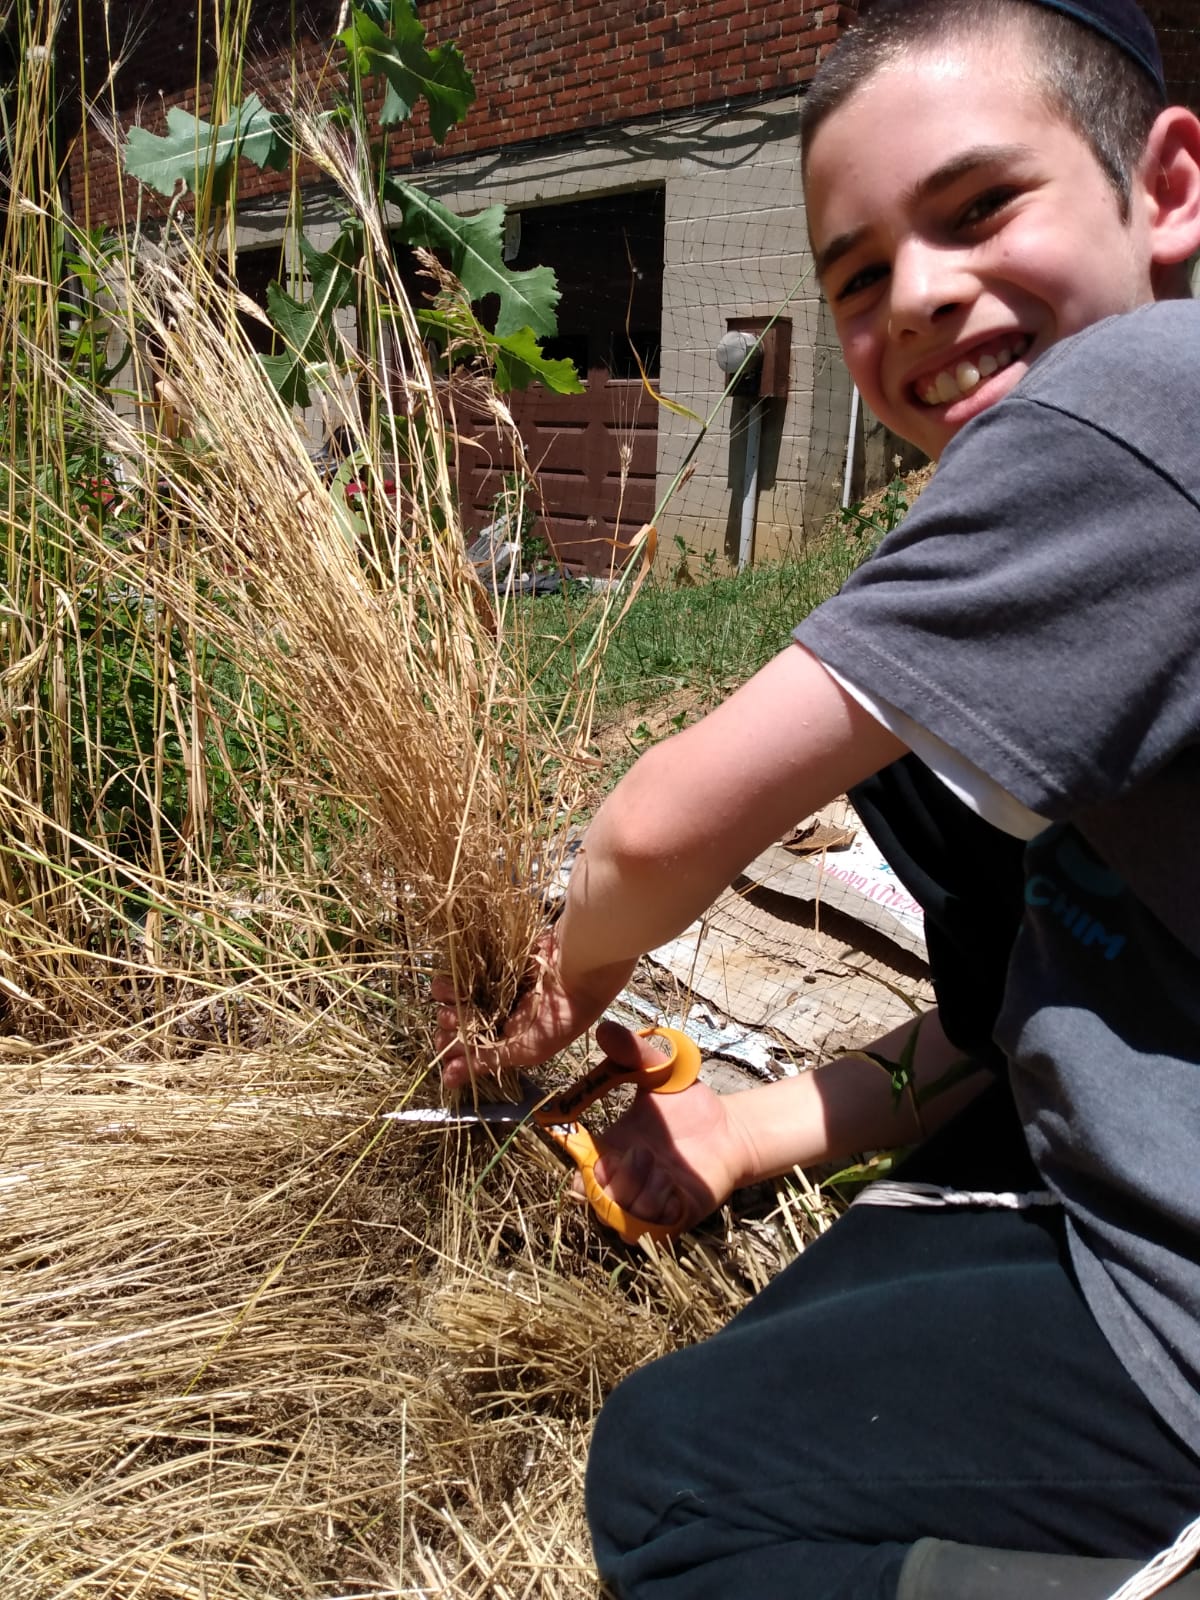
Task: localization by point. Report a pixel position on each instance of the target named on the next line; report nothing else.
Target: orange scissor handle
(679, 1070)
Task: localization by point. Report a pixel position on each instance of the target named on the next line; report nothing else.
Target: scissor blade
(493, 1113)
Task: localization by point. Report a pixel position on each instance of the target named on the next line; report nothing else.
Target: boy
(997, 199)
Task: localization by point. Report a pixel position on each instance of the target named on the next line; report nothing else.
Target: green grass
(701, 637)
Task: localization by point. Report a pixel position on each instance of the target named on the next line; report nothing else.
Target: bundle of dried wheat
(258, 1340)
(369, 624)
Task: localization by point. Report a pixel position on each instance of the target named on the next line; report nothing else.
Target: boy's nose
(927, 284)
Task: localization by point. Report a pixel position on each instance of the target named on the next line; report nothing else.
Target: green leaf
(196, 153)
(265, 137)
(306, 326)
(396, 51)
(333, 272)
(181, 155)
(472, 246)
(299, 325)
(520, 362)
(517, 359)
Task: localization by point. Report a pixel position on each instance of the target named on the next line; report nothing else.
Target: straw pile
(260, 1342)
(255, 1347)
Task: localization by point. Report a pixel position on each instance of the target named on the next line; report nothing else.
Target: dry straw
(259, 1342)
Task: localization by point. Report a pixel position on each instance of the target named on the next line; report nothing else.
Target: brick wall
(546, 69)
(543, 68)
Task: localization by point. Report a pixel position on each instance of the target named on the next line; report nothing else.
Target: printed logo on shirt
(1088, 878)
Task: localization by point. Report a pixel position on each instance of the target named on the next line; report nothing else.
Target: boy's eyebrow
(943, 177)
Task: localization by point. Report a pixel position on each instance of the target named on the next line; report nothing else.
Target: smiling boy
(1002, 211)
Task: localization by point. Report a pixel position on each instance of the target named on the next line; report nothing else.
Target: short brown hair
(1097, 88)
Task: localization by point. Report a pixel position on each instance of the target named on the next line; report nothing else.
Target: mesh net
(673, 238)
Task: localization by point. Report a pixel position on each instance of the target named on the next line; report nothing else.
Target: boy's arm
(849, 1105)
(697, 808)
(674, 833)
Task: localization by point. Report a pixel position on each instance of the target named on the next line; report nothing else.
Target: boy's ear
(1169, 180)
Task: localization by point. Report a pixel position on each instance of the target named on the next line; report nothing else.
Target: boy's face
(961, 228)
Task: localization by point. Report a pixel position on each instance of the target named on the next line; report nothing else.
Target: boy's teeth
(968, 375)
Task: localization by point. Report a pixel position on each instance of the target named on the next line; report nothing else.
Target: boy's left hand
(548, 1018)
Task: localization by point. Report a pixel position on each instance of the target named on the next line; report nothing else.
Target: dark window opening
(607, 257)
(568, 347)
(607, 254)
(256, 270)
(639, 344)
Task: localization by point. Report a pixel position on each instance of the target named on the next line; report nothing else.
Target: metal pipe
(750, 485)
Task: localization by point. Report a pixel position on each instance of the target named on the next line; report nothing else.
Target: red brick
(541, 70)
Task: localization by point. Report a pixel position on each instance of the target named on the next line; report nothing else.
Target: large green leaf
(266, 136)
(333, 272)
(517, 359)
(394, 49)
(472, 248)
(306, 326)
(197, 153)
(520, 362)
(299, 330)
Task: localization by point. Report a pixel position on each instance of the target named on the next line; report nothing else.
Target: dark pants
(914, 1373)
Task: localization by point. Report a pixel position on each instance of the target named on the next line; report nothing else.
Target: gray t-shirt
(1039, 612)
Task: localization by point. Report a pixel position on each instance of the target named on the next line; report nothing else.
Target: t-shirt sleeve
(1038, 610)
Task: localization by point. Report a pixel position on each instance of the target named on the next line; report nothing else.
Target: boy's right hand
(672, 1159)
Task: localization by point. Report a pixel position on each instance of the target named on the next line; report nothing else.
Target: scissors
(556, 1117)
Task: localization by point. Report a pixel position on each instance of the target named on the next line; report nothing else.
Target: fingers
(626, 1048)
(459, 1063)
(484, 1061)
(462, 1063)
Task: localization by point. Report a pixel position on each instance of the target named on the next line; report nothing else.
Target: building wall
(735, 237)
(698, 96)
(735, 245)
(543, 69)
(578, 100)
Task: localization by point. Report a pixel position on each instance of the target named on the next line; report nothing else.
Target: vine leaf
(198, 154)
(471, 247)
(389, 41)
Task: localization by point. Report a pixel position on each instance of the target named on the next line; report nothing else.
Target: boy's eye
(984, 206)
(864, 278)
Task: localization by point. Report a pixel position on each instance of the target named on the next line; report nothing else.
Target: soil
(635, 728)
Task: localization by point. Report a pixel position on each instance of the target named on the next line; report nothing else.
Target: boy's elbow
(638, 827)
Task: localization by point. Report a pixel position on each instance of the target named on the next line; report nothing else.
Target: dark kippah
(1122, 21)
